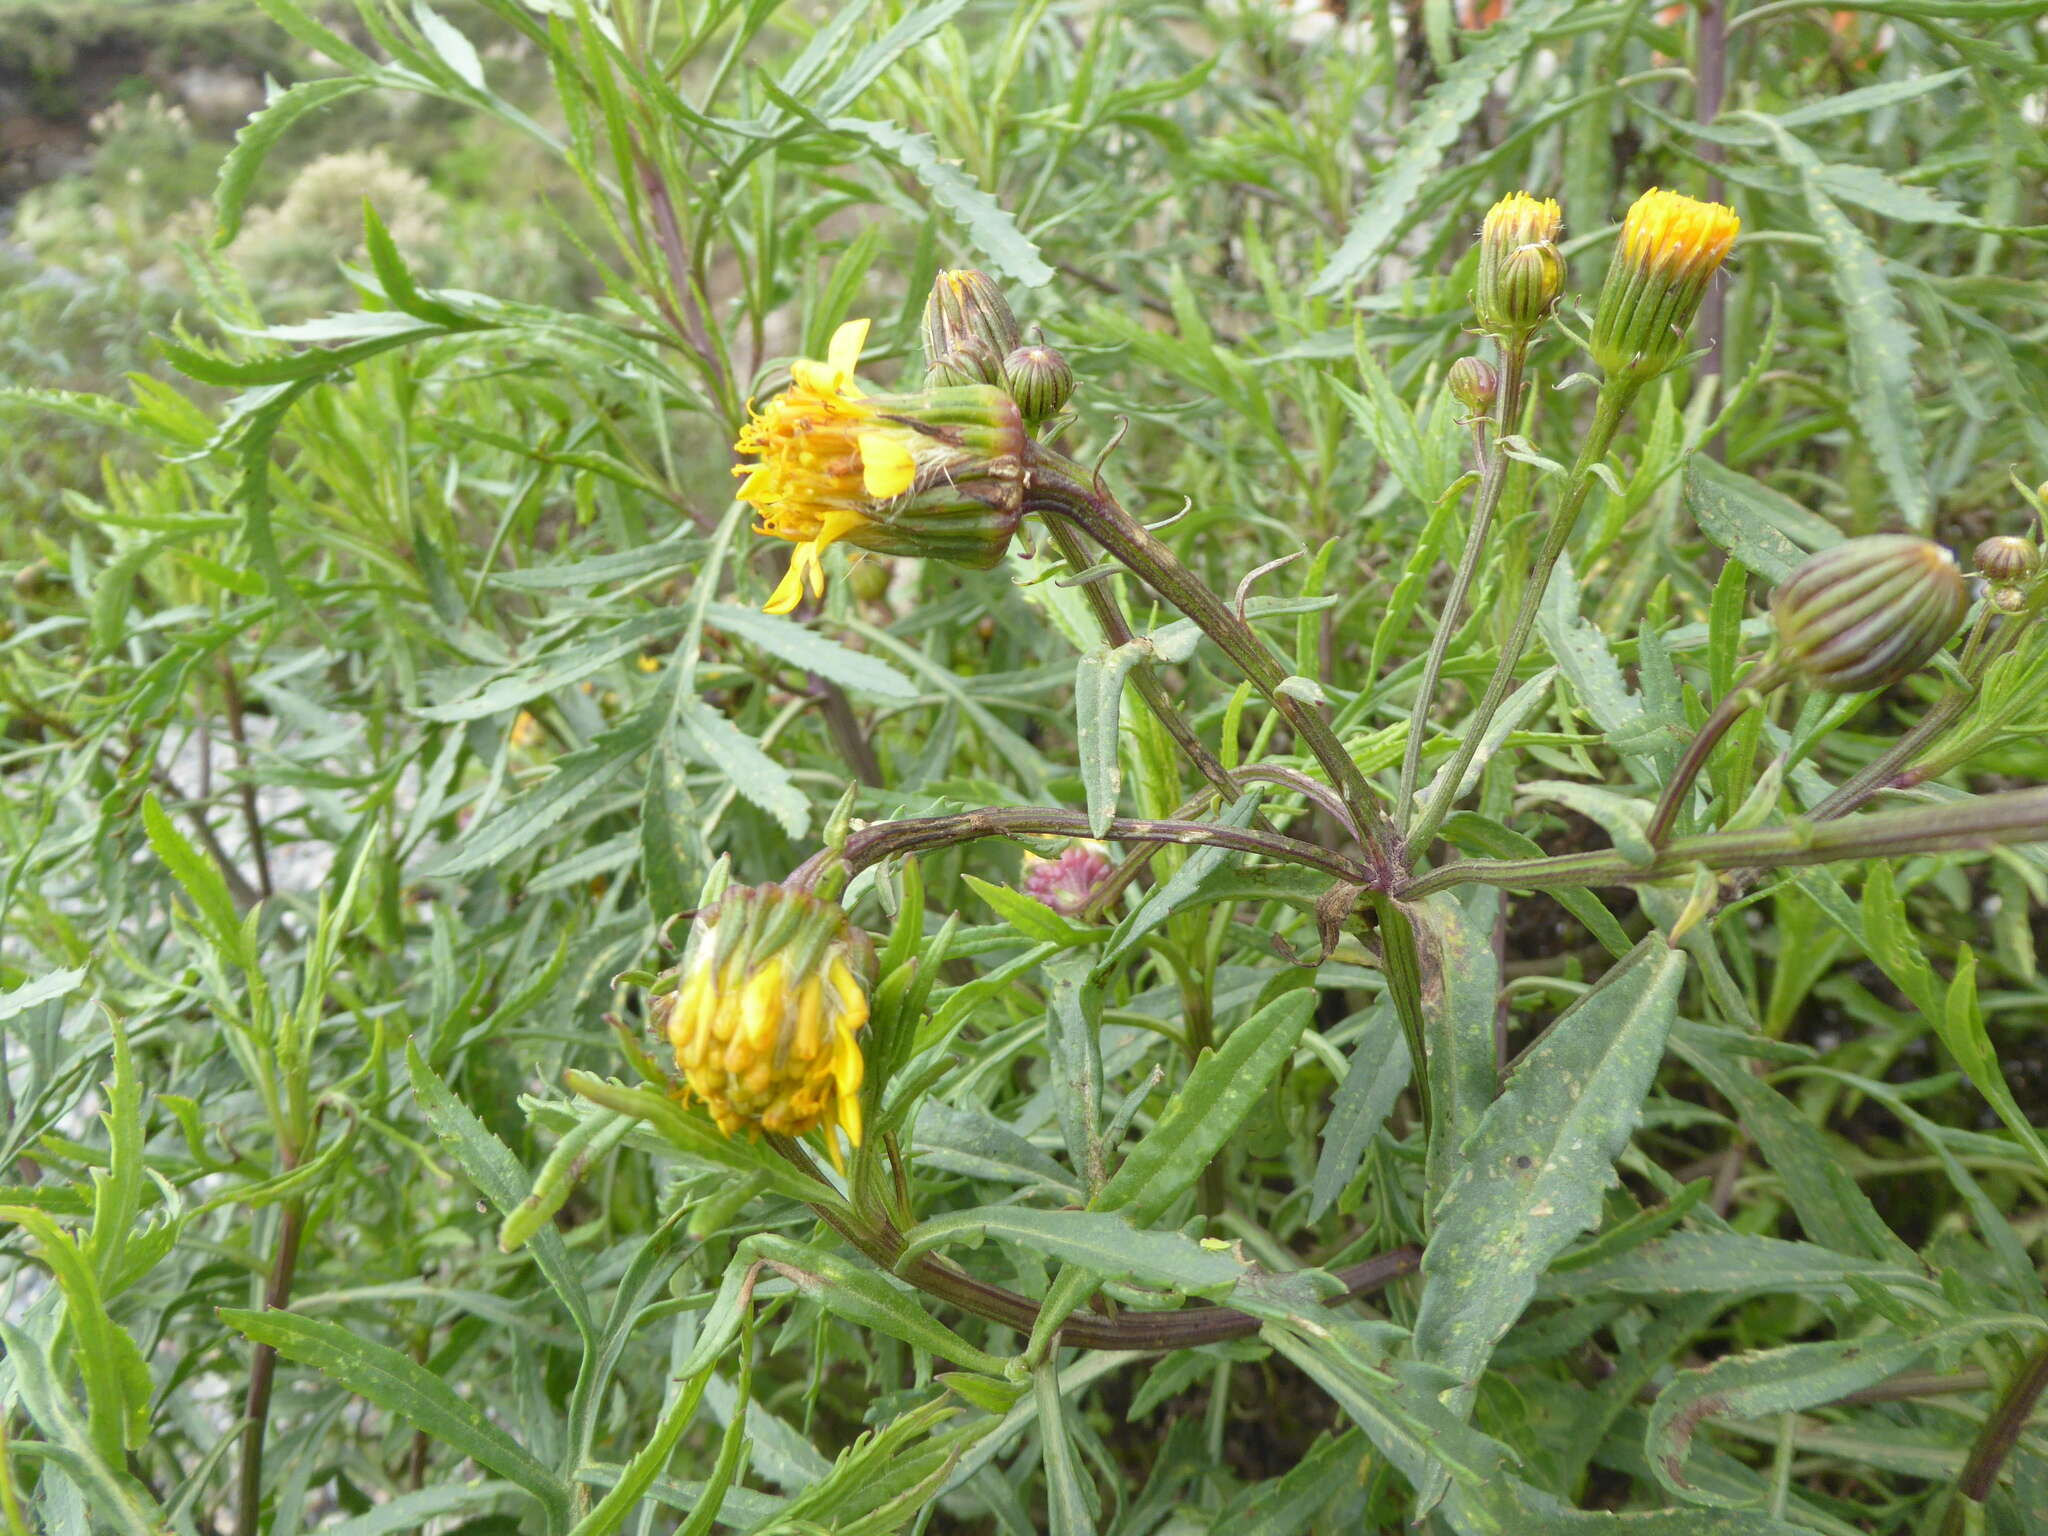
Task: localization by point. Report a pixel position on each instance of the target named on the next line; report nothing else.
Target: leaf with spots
(1533, 1172)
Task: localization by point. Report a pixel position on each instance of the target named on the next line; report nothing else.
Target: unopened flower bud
(1474, 384)
(967, 304)
(1521, 272)
(1039, 378)
(1868, 611)
(767, 1006)
(1068, 883)
(971, 361)
(869, 580)
(1670, 248)
(2004, 559)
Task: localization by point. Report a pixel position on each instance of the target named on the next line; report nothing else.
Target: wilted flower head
(1866, 612)
(769, 1002)
(1069, 882)
(1670, 248)
(1521, 271)
(937, 474)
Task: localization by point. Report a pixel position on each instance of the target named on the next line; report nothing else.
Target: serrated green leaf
(1881, 343)
(400, 1385)
(200, 879)
(806, 648)
(1830, 1203)
(1751, 1386)
(1769, 533)
(868, 1300)
(261, 134)
(1379, 1070)
(120, 1501)
(987, 223)
(1437, 122)
(757, 776)
(577, 777)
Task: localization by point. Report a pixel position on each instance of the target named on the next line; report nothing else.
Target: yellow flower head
(1520, 219)
(766, 1013)
(1670, 248)
(1521, 271)
(1678, 235)
(937, 474)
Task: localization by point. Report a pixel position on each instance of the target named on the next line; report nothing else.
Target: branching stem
(1061, 489)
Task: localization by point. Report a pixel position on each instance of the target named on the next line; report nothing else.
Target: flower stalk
(1116, 630)
(1617, 394)
(2014, 816)
(872, 845)
(1514, 358)
(1739, 700)
(1057, 488)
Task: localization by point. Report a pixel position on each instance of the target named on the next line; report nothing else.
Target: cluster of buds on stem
(2008, 564)
(971, 336)
(765, 1011)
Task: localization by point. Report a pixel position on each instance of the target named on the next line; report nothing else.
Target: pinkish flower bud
(1069, 882)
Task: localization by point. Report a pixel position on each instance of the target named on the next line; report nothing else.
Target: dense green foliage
(383, 669)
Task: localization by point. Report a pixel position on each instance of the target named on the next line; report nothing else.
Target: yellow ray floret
(824, 455)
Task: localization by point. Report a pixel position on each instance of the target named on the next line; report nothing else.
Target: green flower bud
(1521, 272)
(1474, 384)
(967, 304)
(1670, 248)
(971, 361)
(2005, 559)
(1868, 611)
(1039, 379)
(869, 580)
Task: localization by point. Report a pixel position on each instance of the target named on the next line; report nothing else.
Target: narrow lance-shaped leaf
(399, 1384)
(1881, 342)
(1429, 135)
(1775, 1381)
(1535, 1169)
(1207, 1111)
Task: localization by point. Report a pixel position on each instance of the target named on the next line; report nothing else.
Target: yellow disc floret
(766, 1014)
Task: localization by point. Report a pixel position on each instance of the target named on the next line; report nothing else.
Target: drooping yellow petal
(843, 354)
(887, 466)
(790, 590)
